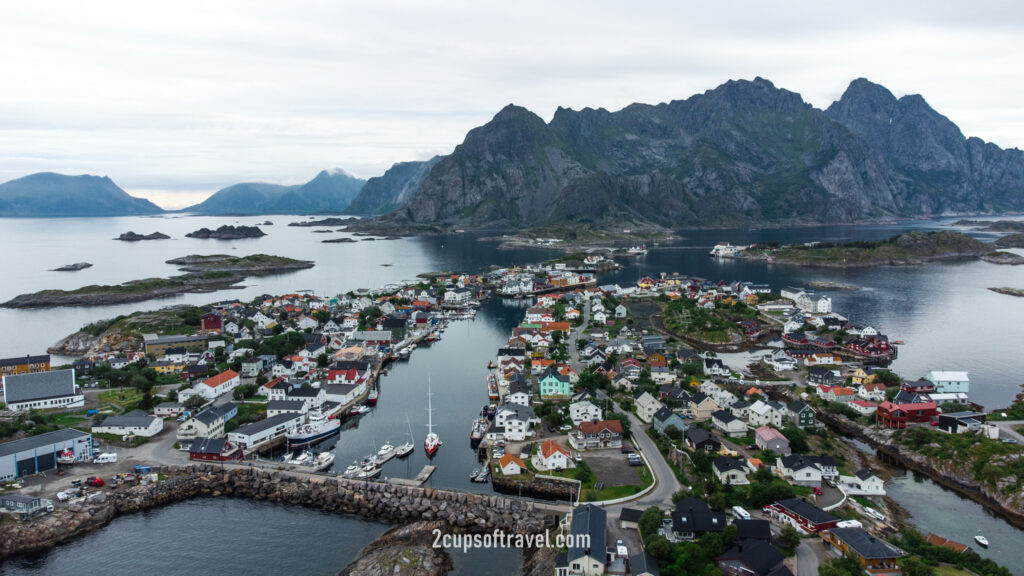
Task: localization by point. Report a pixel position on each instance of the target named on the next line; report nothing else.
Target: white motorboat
(304, 459)
(352, 470)
(386, 452)
(323, 461)
(981, 540)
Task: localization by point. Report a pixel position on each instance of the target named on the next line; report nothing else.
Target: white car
(63, 496)
(565, 427)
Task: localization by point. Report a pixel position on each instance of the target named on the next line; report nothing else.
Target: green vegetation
(996, 465)
(247, 412)
(280, 345)
(717, 325)
(911, 541)
(1014, 412)
(180, 319)
(117, 440)
(35, 422)
(687, 558)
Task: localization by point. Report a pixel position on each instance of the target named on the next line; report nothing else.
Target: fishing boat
(318, 427)
(360, 409)
(474, 473)
(477, 431)
(372, 398)
(323, 460)
(981, 540)
(491, 365)
(483, 476)
(407, 448)
(432, 442)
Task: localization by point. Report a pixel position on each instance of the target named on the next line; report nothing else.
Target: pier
(419, 480)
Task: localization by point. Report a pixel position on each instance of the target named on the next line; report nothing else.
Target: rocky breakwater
(455, 511)
(543, 488)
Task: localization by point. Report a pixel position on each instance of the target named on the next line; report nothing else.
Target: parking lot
(611, 467)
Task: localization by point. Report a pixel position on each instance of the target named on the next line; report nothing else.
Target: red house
(210, 323)
(214, 450)
(898, 416)
(803, 515)
(921, 386)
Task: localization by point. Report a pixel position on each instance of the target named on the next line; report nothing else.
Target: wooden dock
(420, 478)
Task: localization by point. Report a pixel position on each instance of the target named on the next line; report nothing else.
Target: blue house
(666, 418)
(555, 385)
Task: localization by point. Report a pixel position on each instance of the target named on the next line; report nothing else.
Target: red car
(96, 482)
(817, 491)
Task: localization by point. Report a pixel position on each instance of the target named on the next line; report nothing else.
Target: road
(1006, 430)
(808, 557)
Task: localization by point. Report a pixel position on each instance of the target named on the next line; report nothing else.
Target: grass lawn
(801, 491)
(950, 571)
(123, 397)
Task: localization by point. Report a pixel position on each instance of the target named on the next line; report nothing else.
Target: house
(208, 423)
(584, 410)
(715, 367)
(872, 391)
(275, 407)
(666, 418)
(693, 518)
(312, 398)
(752, 558)
(168, 409)
(729, 471)
(555, 385)
(700, 439)
(802, 515)
(517, 420)
(39, 453)
(214, 450)
(210, 323)
(961, 422)
(863, 407)
(780, 361)
(643, 564)
(22, 506)
(759, 530)
(949, 382)
(701, 406)
(552, 456)
(821, 376)
(342, 394)
(586, 526)
(806, 470)
(728, 424)
(629, 518)
(768, 413)
(24, 365)
(646, 406)
(254, 434)
(801, 414)
(596, 435)
(873, 554)
(863, 483)
(511, 466)
(213, 387)
(899, 416)
(768, 438)
(134, 423)
(518, 392)
(42, 390)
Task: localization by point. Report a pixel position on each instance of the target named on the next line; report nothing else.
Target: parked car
(551, 428)
(63, 496)
(95, 482)
(564, 428)
(817, 491)
(1008, 441)
(626, 448)
(752, 447)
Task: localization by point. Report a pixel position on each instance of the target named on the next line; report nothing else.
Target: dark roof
(39, 386)
(798, 461)
(757, 556)
(753, 530)
(135, 418)
(797, 406)
(303, 392)
(211, 414)
(630, 514)
(589, 519)
(261, 425)
(41, 441)
(286, 405)
(866, 545)
(663, 414)
(692, 515)
(725, 464)
(864, 474)
(207, 445)
(19, 360)
(723, 416)
(643, 563)
(699, 435)
(805, 509)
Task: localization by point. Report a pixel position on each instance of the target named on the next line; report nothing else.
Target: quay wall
(457, 511)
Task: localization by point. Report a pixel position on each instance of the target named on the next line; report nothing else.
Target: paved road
(809, 555)
(1006, 430)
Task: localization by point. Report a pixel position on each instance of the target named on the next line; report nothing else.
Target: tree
(789, 538)
(140, 382)
(195, 402)
(650, 521)
(322, 360)
(913, 566)
(797, 439)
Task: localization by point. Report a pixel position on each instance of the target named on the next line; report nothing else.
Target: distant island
(133, 237)
(1010, 241)
(323, 222)
(1009, 291)
(344, 240)
(1003, 258)
(227, 232)
(205, 274)
(47, 195)
(993, 225)
(905, 249)
(73, 267)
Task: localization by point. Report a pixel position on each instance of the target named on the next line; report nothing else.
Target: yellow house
(859, 376)
(873, 554)
(167, 367)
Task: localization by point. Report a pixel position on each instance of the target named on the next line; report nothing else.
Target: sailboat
(432, 442)
(407, 448)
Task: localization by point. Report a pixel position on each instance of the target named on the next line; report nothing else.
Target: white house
(584, 411)
(511, 466)
(41, 390)
(211, 388)
(646, 406)
(728, 424)
(863, 483)
(621, 311)
(257, 433)
(730, 471)
(517, 420)
(949, 382)
(762, 413)
(134, 423)
(552, 456)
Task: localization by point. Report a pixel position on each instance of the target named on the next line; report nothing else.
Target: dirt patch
(612, 468)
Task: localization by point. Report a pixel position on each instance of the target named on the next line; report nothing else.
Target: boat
(323, 460)
(352, 470)
(407, 448)
(483, 476)
(287, 458)
(360, 409)
(478, 430)
(491, 365)
(981, 540)
(372, 398)
(898, 342)
(474, 473)
(303, 459)
(318, 427)
(368, 471)
(386, 452)
(66, 458)
(638, 250)
(432, 442)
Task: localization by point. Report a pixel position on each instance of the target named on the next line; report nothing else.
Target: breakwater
(457, 511)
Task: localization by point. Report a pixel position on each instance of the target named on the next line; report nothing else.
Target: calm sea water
(943, 311)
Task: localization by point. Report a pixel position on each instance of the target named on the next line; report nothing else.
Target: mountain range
(744, 152)
(330, 191)
(47, 194)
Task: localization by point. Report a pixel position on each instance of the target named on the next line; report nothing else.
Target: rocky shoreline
(334, 221)
(830, 285)
(254, 265)
(402, 551)
(454, 511)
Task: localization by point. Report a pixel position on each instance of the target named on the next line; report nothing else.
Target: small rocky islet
(227, 232)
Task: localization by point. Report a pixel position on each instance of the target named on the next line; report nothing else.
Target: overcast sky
(176, 100)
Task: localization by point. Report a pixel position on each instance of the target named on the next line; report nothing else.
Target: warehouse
(39, 453)
(257, 433)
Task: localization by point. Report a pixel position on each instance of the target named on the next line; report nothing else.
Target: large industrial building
(39, 453)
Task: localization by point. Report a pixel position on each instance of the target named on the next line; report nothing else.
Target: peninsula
(205, 274)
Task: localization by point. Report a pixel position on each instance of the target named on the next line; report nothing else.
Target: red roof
(220, 378)
(550, 447)
(507, 458)
(863, 403)
(596, 427)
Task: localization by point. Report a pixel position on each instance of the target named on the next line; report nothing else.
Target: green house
(555, 385)
(801, 414)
